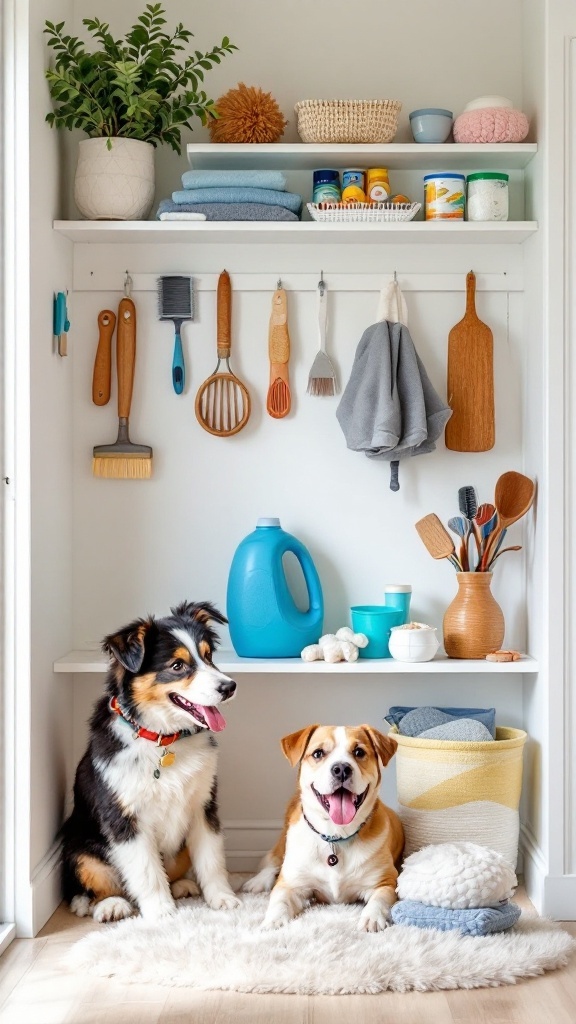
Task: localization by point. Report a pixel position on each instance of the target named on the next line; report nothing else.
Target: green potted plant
(129, 96)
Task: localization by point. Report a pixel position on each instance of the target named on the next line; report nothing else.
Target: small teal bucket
(375, 621)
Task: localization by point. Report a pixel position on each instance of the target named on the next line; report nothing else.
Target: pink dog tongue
(342, 807)
(216, 721)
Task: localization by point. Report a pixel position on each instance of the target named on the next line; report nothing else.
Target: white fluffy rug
(321, 952)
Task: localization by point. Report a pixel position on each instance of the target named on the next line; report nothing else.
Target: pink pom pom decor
(491, 124)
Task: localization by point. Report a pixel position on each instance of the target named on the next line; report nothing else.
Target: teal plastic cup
(375, 621)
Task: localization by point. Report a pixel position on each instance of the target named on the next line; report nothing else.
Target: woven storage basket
(347, 120)
(450, 791)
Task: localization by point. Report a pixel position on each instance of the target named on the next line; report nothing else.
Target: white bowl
(488, 101)
(413, 644)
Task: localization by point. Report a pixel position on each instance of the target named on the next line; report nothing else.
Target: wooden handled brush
(123, 459)
(279, 400)
(101, 379)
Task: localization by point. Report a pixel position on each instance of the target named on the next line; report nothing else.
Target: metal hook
(395, 278)
(127, 285)
(321, 285)
(279, 284)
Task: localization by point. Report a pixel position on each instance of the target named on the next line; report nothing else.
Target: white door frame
(16, 891)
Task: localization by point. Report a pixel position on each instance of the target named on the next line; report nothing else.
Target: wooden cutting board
(470, 381)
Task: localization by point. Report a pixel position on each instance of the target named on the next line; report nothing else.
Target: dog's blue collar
(334, 839)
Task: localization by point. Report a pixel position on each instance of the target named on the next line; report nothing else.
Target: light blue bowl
(375, 621)
(431, 125)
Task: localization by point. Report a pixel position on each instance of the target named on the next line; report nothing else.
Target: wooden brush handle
(125, 355)
(278, 336)
(101, 380)
(224, 315)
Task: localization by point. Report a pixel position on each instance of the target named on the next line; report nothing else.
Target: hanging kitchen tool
(470, 381)
(102, 376)
(223, 402)
(322, 376)
(176, 303)
(437, 540)
(279, 400)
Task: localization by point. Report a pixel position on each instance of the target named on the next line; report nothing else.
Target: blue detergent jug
(264, 620)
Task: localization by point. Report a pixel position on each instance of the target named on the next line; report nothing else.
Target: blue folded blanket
(239, 179)
(473, 921)
(231, 194)
(228, 211)
(425, 718)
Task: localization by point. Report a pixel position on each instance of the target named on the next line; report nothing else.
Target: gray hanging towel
(389, 408)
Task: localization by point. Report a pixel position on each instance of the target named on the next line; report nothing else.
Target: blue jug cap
(271, 521)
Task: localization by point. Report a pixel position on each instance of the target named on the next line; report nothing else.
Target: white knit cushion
(456, 875)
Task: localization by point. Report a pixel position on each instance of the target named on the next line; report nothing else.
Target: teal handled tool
(175, 302)
(61, 323)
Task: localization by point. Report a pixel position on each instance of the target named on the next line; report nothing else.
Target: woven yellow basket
(347, 120)
(450, 791)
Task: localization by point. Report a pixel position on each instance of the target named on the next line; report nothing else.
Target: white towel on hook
(392, 305)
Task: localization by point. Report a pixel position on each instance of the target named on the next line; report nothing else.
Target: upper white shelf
(395, 156)
(228, 661)
(224, 232)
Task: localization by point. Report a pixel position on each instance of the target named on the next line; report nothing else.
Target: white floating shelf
(228, 661)
(395, 156)
(224, 232)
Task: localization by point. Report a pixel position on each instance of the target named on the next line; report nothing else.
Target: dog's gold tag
(167, 759)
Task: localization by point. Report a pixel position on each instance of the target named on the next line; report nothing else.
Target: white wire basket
(366, 212)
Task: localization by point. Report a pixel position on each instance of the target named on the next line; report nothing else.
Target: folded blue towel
(268, 196)
(227, 211)
(239, 179)
(473, 921)
(425, 719)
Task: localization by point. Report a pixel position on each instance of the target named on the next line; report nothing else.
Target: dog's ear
(384, 746)
(203, 613)
(127, 646)
(295, 744)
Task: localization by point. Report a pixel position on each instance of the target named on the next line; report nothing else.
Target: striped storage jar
(450, 791)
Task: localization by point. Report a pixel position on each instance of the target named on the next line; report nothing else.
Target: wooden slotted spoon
(223, 402)
(279, 399)
(437, 539)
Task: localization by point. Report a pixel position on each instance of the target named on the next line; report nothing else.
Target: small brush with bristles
(322, 377)
(176, 303)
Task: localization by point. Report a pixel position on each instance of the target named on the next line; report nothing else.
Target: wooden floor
(34, 990)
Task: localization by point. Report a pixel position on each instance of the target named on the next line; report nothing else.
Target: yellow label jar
(377, 185)
(444, 196)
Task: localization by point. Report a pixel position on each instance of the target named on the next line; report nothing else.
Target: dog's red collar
(157, 737)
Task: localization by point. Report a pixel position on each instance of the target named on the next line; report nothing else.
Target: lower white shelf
(94, 661)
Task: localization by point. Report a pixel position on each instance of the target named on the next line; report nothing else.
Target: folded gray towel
(233, 194)
(242, 179)
(228, 211)
(461, 729)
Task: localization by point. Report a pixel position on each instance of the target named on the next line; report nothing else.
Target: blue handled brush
(176, 303)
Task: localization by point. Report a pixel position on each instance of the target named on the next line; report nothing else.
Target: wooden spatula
(437, 539)
(278, 400)
(470, 381)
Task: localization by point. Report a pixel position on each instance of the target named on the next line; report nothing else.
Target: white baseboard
(7, 933)
(46, 889)
(247, 841)
(553, 895)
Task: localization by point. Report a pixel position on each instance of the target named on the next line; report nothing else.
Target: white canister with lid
(487, 197)
(414, 641)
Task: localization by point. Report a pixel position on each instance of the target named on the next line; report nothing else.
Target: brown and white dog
(145, 806)
(340, 843)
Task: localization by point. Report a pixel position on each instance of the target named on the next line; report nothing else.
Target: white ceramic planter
(413, 644)
(115, 183)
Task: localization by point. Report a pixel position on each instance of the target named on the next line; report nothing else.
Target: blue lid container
(264, 619)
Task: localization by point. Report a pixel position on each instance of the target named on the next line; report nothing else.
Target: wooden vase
(473, 623)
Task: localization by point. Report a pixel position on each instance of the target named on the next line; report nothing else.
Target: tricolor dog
(145, 807)
(340, 843)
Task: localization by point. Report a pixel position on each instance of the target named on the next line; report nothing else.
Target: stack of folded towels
(232, 195)
(457, 886)
(472, 725)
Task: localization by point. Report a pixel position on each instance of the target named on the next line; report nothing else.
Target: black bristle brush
(468, 505)
(176, 303)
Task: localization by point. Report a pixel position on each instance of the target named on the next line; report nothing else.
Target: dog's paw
(277, 917)
(375, 918)
(113, 908)
(184, 887)
(224, 900)
(157, 910)
(262, 882)
(81, 906)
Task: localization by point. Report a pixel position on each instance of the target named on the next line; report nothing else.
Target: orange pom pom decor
(247, 114)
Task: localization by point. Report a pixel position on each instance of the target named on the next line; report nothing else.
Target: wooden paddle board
(470, 381)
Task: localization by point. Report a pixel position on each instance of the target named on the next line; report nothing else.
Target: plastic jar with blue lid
(444, 194)
(326, 187)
